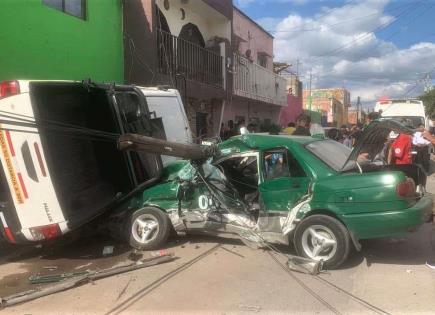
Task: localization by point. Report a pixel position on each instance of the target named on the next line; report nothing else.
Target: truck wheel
(148, 228)
(322, 237)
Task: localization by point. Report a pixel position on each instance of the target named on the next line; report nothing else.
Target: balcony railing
(256, 82)
(178, 56)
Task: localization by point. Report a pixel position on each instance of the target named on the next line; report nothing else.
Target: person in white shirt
(422, 147)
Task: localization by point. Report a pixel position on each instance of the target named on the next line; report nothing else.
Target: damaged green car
(314, 193)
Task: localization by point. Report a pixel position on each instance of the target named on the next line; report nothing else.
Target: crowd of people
(398, 149)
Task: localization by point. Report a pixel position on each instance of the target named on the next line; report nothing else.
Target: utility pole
(427, 82)
(358, 110)
(297, 67)
(311, 96)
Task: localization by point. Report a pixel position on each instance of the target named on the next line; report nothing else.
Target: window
(242, 172)
(262, 60)
(333, 153)
(280, 163)
(76, 8)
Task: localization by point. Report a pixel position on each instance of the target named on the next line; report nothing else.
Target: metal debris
(50, 267)
(80, 280)
(37, 279)
(250, 308)
(108, 250)
(304, 265)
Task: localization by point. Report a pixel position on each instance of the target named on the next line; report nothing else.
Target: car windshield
(333, 153)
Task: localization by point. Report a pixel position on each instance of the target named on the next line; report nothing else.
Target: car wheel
(322, 237)
(148, 228)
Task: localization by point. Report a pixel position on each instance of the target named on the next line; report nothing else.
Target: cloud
(339, 46)
(247, 3)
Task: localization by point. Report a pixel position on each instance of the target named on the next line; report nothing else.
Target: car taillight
(406, 188)
(8, 88)
(45, 232)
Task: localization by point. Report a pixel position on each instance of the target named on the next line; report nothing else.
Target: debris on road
(80, 280)
(304, 265)
(430, 265)
(135, 255)
(50, 267)
(37, 279)
(250, 308)
(159, 253)
(108, 250)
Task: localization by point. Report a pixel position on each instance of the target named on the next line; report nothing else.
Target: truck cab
(60, 164)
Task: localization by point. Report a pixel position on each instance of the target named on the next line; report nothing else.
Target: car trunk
(88, 173)
(411, 170)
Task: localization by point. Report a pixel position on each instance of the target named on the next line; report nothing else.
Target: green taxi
(314, 193)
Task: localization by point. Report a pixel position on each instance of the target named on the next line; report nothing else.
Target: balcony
(256, 82)
(177, 56)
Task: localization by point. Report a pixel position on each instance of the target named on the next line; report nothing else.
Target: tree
(428, 99)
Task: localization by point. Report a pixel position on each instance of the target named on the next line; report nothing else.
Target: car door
(213, 202)
(283, 181)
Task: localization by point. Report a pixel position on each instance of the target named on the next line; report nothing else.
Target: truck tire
(322, 237)
(148, 228)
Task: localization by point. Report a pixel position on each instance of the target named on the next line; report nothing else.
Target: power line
(366, 35)
(302, 29)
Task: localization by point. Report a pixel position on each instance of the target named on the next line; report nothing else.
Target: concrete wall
(41, 42)
(253, 38)
(250, 110)
(140, 55)
(210, 22)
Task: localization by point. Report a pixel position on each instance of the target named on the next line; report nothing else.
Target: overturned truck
(106, 162)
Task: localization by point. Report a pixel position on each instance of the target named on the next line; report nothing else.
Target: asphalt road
(225, 276)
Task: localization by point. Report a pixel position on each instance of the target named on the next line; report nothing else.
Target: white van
(411, 110)
(57, 172)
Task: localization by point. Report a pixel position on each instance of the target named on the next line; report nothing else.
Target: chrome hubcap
(319, 243)
(145, 228)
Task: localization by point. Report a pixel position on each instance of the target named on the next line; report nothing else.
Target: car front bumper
(390, 223)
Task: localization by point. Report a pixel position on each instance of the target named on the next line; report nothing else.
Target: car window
(281, 163)
(242, 171)
(333, 153)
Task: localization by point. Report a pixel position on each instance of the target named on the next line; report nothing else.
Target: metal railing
(178, 56)
(254, 81)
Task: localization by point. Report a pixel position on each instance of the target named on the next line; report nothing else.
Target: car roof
(249, 142)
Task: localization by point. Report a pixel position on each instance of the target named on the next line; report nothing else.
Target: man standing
(401, 150)
(303, 126)
(422, 148)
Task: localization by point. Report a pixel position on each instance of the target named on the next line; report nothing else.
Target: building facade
(61, 40)
(184, 44)
(258, 93)
(294, 106)
(332, 104)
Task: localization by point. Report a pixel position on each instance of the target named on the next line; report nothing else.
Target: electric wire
(366, 35)
(276, 250)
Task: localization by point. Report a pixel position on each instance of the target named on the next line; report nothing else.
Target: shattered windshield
(333, 153)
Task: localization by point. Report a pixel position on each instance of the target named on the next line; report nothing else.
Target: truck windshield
(409, 121)
(332, 153)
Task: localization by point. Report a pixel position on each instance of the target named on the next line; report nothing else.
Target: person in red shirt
(401, 150)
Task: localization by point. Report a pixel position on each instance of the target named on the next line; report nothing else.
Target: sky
(374, 48)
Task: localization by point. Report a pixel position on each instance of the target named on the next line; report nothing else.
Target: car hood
(373, 138)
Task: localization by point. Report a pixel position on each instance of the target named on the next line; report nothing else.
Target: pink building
(251, 40)
(258, 92)
(294, 106)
